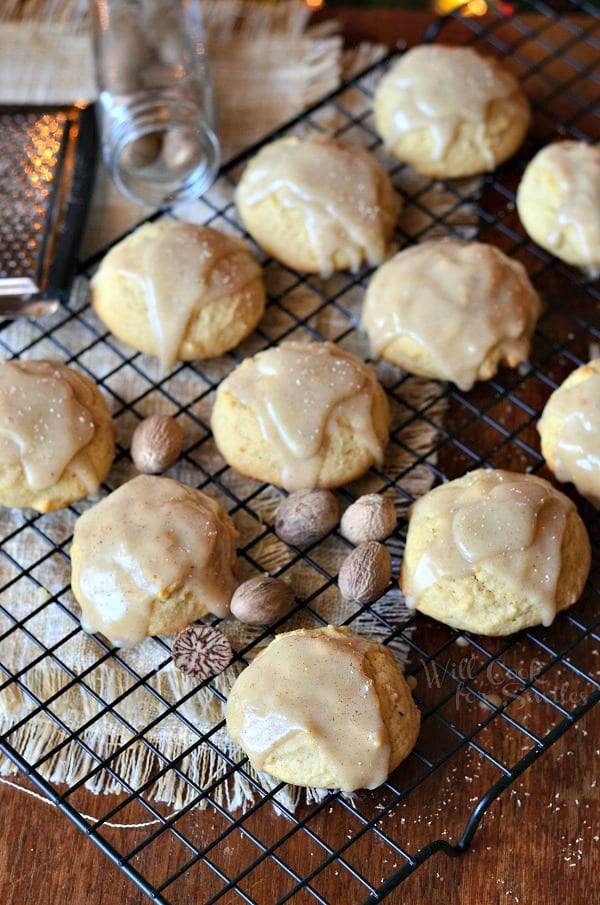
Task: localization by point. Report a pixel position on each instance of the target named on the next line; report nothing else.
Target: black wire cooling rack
(490, 706)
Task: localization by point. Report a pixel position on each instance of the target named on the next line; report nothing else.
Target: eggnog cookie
(570, 431)
(558, 201)
(494, 552)
(449, 112)
(56, 435)
(318, 205)
(179, 291)
(301, 415)
(451, 310)
(150, 558)
(324, 708)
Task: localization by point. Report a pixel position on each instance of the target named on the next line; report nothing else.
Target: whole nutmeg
(262, 600)
(306, 516)
(366, 572)
(156, 444)
(201, 651)
(370, 517)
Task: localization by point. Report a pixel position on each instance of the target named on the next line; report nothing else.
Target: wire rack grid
(490, 707)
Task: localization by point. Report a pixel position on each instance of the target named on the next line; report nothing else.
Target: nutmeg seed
(156, 444)
(305, 517)
(201, 651)
(262, 600)
(370, 517)
(366, 572)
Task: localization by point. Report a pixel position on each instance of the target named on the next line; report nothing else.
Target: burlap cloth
(267, 67)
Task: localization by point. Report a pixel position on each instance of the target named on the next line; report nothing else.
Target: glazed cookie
(494, 552)
(449, 112)
(324, 708)
(570, 431)
(558, 201)
(318, 204)
(451, 310)
(179, 291)
(301, 415)
(151, 558)
(57, 439)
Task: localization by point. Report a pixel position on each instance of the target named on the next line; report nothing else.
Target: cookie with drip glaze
(558, 201)
(451, 310)
(150, 558)
(324, 708)
(57, 439)
(450, 112)
(179, 291)
(494, 552)
(318, 205)
(301, 415)
(569, 431)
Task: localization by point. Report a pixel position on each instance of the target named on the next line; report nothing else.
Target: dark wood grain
(537, 844)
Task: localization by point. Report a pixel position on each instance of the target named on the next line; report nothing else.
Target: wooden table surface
(537, 844)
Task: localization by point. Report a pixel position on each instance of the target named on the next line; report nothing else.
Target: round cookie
(558, 201)
(301, 415)
(570, 431)
(494, 552)
(449, 112)
(318, 204)
(179, 291)
(57, 439)
(451, 310)
(151, 558)
(324, 708)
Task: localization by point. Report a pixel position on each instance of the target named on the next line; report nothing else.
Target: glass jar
(155, 105)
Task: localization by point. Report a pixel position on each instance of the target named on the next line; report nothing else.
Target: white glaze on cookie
(152, 538)
(505, 524)
(461, 305)
(295, 392)
(337, 189)
(443, 87)
(181, 270)
(315, 686)
(47, 419)
(573, 410)
(576, 168)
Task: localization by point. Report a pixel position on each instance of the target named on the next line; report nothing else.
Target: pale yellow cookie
(318, 204)
(150, 558)
(558, 201)
(570, 431)
(324, 708)
(451, 310)
(179, 291)
(57, 439)
(301, 415)
(449, 112)
(494, 552)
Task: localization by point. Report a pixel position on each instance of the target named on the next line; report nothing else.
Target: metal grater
(46, 167)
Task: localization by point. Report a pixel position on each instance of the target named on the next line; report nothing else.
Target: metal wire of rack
(490, 707)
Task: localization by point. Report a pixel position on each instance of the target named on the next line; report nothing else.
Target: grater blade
(46, 166)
